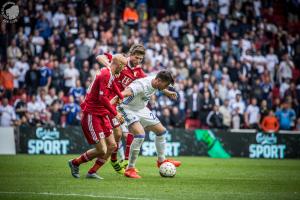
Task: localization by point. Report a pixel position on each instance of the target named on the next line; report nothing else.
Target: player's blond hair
(119, 59)
(137, 49)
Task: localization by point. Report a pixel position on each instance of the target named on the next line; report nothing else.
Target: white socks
(121, 150)
(160, 143)
(135, 149)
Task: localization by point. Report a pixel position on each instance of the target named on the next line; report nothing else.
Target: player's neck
(153, 84)
(130, 64)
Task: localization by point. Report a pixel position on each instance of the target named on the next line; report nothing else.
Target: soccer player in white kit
(140, 118)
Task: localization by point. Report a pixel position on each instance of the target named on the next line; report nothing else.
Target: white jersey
(142, 91)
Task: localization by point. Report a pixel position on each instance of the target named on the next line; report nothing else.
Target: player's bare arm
(171, 94)
(102, 59)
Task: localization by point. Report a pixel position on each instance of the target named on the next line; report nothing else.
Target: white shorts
(144, 116)
(124, 128)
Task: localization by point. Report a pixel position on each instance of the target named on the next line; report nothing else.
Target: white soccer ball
(167, 169)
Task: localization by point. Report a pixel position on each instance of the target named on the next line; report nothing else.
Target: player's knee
(101, 151)
(112, 146)
(162, 132)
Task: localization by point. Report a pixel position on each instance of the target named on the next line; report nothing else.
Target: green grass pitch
(48, 177)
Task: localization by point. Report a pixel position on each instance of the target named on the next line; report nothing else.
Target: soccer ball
(167, 169)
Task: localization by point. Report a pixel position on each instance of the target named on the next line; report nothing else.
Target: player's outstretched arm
(103, 59)
(127, 92)
(172, 95)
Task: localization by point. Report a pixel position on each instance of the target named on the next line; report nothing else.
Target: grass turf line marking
(73, 194)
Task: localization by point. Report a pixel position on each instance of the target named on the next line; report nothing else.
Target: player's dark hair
(137, 49)
(165, 75)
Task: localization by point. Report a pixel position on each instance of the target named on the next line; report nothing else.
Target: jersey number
(152, 115)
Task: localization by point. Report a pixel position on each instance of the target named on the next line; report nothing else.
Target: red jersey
(127, 75)
(97, 98)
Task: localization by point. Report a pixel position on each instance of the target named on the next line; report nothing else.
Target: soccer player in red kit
(131, 72)
(95, 121)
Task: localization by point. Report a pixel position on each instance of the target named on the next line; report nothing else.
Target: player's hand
(172, 95)
(114, 100)
(120, 118)
(119, 101)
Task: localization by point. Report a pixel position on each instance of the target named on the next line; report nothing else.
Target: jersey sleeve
(104, 92)
(142, 74)
(109, 56)
(136, 87)
(116, 90)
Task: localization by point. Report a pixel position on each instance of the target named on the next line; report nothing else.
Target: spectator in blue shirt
(77, 92)
(71, 110)
(286, 117)
(46, 75)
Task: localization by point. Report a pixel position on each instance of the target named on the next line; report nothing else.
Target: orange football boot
(131, 173)
(174, 162)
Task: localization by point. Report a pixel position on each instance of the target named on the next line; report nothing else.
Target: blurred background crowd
(236, 62)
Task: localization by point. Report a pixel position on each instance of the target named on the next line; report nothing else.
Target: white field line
(73, 194)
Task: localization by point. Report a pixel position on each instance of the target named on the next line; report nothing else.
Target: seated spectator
(215, 118)
(71, 110)
(270, 123)
(7, 114)
(286, 117)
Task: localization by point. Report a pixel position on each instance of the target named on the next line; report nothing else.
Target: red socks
(114, 154)
(98, 164)
(83, 158)
(129, 140)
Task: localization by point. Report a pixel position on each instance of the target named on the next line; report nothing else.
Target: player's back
(100, 86)
(142, 91)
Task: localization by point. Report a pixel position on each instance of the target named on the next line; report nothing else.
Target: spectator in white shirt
(175, 26)
(272, 61)
(38, 42)
(223, 91)
(285, 68)
(7, 113)
(70, 76)
(238, 102)
(252, 115)
(22, 67)
(226, 112)
(15, 72)
(163, 28)
(224, 7)
(59, 17)
(260, 61)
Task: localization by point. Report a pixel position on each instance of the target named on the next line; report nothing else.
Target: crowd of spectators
(235, 61)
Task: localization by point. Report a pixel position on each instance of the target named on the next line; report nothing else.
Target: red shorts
(95, 127)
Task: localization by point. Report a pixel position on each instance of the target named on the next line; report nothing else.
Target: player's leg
(117, 135)
(90, 127)
(128, 138)
(160, 143)
(101, 150)
(114, 156)
(139, 135)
